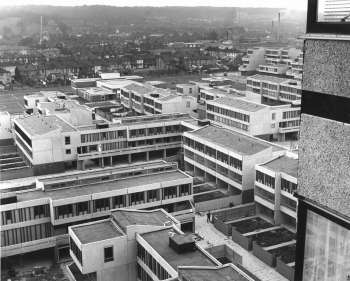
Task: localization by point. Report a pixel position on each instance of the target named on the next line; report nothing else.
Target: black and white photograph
(175, 140)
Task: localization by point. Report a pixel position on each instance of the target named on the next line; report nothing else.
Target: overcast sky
(289, 4)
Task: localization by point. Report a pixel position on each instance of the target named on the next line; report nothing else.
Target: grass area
(54, 273)
(286, 253)
(203, 188)
(251, 224)
(172, 80)
(208, 196)
(273, 237)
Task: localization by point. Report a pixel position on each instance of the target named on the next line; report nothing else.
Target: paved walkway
(213, 237)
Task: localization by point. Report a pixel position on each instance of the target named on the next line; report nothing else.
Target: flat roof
(240, 104)
(116, 83)
(159, 241)
(235, 141)
(102, 186)
(97, 91)
(268, 78)
(40, 125)
(96, 231)
(168, 97)
(98, 172)
(225, 273)
(125, 218)
(140, 89)
(284, 164)
(61, 105)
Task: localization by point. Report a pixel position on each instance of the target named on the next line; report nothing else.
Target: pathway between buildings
(213, 237)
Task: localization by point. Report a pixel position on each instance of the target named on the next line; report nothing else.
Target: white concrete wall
(93, 256)
(5, 126)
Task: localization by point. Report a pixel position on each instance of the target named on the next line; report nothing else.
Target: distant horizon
(278, 4)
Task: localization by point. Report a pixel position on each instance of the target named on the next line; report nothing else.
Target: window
(327, 247)
(328, 16)
(67, 140)
(108, 254)
(68, 151)
(273, 116)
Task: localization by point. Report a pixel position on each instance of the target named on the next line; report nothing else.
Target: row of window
(289, 97)
(111, 135)
(151, 263)
(289, 203)
(26, 148)
(264, 194)
(23, 135)
(24, 214)
(291, 114)
(142, 275)
(269, 86)
(288, 124)
(76, 251)
(265, 179)
(104, 204)
(155, 131)
(291, 90)
(288, 186)
(229, 113)
(228, 122)
(218, 155)
(25, 234)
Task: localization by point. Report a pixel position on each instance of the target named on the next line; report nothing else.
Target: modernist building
(271, 61)
(252, 60)
(226, 158)
(254, 118)
(323, 231)
(38, 218)
(144, 246)
(275, 183)
(146, 99)
(275, 89)
(296, 69)
(31, 101)
(54, 142)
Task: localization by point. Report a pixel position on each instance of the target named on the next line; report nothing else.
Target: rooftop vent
(154, 95)
(182, 243)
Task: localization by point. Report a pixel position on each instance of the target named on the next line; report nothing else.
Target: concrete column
(164, 153)
(277, 212)
(282, 137)
(129, 158)
(101, 162)
(81, 164)
(56, 256)
(110, 161)
(147, 156)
